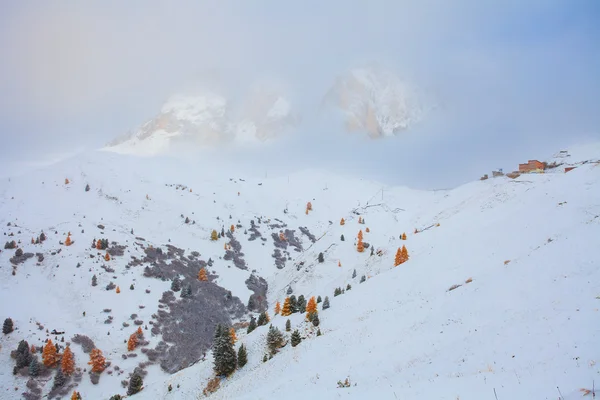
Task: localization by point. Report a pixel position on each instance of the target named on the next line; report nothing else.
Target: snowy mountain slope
(400, 334)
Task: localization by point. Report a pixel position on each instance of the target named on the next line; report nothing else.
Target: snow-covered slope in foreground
(526, 324)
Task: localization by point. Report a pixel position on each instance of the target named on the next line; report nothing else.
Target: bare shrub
(212, 386)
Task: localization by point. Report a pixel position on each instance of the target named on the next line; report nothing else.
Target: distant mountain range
(370, 100)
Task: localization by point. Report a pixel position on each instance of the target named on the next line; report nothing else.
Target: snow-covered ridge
(519, 254)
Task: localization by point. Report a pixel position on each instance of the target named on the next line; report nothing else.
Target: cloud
(509, 75)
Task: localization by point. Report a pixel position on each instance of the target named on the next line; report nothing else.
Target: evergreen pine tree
(319, 299)
(242, 357)
(301, 304)
(320, 258)
(296, 339)
(176, 284)
(326, 303)
(59, 379)
(315, 319)
(265, 358)
(293, 304)
(274, 339)
(225, 358)
(372, 250)
(135, 384)
(87, 187)
(353, 274)
(337, 292)
(94, 280)
(288, 325)
(34, 367)
(289, 290)
(363, 278)
(23, 355)
(348, 287)
(318, 332)
(263, 319)
(8, 326)
(222, 232)
(252, 325)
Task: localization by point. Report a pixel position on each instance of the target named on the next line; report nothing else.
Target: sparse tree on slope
(342, 221)
(225, 358)
(136, 384)
(242, 357)
(296, 339)
(49, 355)
(202, 275)
(398, 258)
(8, 326)
(132, 342)
(274, 339)
(277, 308)
(320, 258)
(252, 325)
(176, 284)
(232, 335)
(311, 308)
(214, 236)
(288, 325)
(287, 309)
(97, 361)
(67, 363)
(326, 303)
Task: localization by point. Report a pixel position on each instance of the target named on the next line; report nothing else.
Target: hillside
(525, 323)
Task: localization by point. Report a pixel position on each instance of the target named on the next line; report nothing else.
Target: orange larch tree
(139, 332)
(67, 363)
(97, 361)
(416, 231)
(107, 257)
(367, 230)
(68, 242)
(118, 290)
(360, 220)
(360, 247)
(342, 221)
(277, 308)
(311, 308)
(66, 181)
(232, 335)
(404, 254)
(202, 275)
(232, 228)
(50, 355)
(287, 308)
(75, 395)
(339, 263)
(404, 236)
(132, 342)
(398, 259)
(360, 235)
(33, 350)
(309, 206)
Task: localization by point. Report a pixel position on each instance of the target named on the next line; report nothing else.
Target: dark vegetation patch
(186, 321)
(258, 300)
(235, 254)
(306, 232)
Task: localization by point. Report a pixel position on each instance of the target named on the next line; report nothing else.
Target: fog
(513, 80)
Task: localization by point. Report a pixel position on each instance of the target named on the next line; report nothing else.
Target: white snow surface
(522, 328)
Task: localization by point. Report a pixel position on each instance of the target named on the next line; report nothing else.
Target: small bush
(212, 386)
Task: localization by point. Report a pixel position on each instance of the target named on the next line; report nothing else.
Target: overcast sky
(516, 79)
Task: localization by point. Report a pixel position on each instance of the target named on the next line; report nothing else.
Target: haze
(513, 80)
